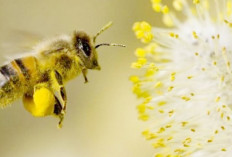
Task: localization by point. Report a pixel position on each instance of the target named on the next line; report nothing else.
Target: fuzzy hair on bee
(40, 79)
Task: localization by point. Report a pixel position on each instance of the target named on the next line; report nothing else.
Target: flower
(185, 80)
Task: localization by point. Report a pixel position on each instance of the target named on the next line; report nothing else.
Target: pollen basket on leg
(185, 80)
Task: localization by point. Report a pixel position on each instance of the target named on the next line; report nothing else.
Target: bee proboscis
(36, 78)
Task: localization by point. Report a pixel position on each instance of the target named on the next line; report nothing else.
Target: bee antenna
(108, 25)
(109, 44)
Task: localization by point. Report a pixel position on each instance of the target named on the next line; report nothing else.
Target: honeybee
(40, 79)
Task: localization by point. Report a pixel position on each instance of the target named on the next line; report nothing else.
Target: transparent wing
(17, 42)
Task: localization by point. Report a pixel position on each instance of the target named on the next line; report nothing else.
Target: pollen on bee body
(190, 86)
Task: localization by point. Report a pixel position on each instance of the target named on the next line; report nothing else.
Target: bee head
(86, 48)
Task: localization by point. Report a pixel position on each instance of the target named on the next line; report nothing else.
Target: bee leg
(39, 102)
(61, 90)
(84, 72)
(58, 112)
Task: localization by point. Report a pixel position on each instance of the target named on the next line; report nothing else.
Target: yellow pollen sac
(42, 103)
(143, 31)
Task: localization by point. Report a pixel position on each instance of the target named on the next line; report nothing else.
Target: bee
(39, 79)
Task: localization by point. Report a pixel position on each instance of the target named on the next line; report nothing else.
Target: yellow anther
(157, 7)
(195, 35)
(140, 52)
(142, 61)
(173, 76)
(139, 64)
(190, 77)
(165, 10)
(161, 103)
(136, 65)
(141, 108)
(151, 70)
(170, 88)
(178, 5)
(186, 142)
(150, 107)
(196, 1)
(143, 117)
(217, 99)
(223, 128)
(184, 123)
(223, 149)
(158, 84)
(173, 35)
(148, 135)
(171, 113)
(159, 143)
(222, 78)
(134, 79)
(143, 31)
(196, 54)
(156, 1)
(161, 130)
(161, 111)
(222, 115)
(185, 98)
(169, 138)
(193, 130)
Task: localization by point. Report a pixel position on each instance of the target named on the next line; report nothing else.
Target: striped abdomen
(15, 78)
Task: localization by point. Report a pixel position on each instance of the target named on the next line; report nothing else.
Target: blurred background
(101, 119)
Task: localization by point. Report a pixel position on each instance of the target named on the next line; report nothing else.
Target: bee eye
(86, 48)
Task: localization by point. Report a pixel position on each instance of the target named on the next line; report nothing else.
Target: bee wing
(18, 42)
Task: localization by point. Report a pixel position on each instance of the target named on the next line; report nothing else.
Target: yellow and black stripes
(23, 69)
(8, 72)
(15, 78)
